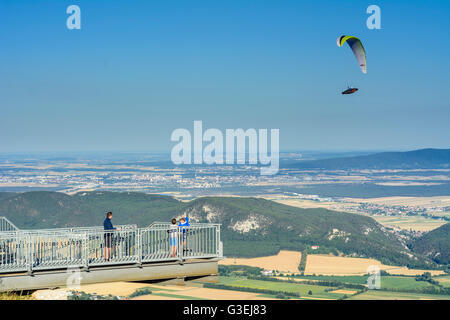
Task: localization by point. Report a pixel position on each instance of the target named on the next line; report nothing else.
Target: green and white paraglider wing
(358, 50)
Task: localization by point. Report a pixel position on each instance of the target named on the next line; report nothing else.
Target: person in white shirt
(173, 235)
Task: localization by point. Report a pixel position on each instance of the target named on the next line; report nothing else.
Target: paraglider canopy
(358, 50)
(350, 91)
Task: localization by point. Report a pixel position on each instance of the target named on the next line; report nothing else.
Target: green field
(387, 282)
(342, 279)
(443, 280)
(403, 283)
(389, 287)
(317, 291)
(387, 295)
(410, 222)
(177, 296)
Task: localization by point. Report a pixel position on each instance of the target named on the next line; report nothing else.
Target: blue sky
(137, 70)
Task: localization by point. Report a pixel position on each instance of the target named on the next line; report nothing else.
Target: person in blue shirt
(183, 224)
(108, 231)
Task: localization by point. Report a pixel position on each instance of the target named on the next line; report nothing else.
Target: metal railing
(30, 250)
(167, 224)
(54, 250)
(6, 225)
(117, 247)
(14, 252)
(74, 229)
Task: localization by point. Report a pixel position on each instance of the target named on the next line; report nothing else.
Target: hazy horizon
(167, 152)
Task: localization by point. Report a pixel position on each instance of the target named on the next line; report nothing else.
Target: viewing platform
(49, 258)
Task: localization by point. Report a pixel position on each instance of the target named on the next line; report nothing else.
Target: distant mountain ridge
(250, 226)
(435, 244)
(417, 159)
(47, 209)
(258, 227)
